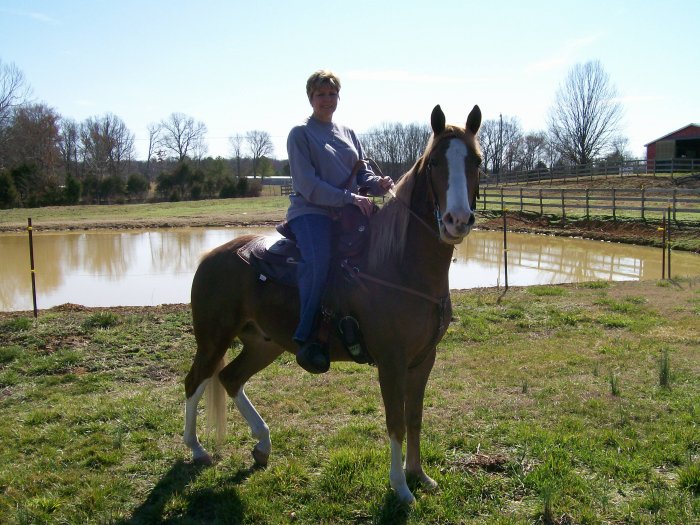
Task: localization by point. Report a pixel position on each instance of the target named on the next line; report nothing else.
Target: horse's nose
(460, 222)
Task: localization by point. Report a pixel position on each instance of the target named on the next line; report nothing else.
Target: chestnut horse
(400, 299)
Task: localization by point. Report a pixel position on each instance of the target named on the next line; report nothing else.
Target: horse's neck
(423, 261)
(426, 259)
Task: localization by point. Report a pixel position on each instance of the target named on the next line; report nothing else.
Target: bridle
(429, 162)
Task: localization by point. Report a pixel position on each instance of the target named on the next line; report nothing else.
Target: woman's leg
(313, 235)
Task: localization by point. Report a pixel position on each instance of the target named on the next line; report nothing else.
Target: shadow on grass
(202, 505)
(392, 511)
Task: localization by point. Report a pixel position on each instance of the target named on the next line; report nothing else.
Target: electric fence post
(505, 248)
(31, 265)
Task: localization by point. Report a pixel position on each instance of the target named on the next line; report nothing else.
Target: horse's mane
(388, 231)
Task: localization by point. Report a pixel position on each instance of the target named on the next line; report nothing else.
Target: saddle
(277, 259)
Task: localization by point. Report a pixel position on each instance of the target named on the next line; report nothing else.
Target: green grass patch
(541, 408)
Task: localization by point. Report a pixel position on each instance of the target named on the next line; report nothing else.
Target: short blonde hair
(320, 78)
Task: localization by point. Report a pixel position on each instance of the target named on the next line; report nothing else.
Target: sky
(241, 66)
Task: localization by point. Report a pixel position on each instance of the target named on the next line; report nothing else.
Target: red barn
(681, 144)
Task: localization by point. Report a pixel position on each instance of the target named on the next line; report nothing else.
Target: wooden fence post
(563, 209)
(521, 200)
(643, 202)
(663, 245)
(675, 191)
(668, 241)
(541, 208)
(614, 203)
(588, 215)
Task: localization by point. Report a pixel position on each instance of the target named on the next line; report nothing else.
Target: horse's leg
(392, 380)
(258, 352)
(415, 391)
(204, 366)
(213, 340)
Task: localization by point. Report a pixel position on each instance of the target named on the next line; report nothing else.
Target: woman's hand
(363, 203)
(385, 183)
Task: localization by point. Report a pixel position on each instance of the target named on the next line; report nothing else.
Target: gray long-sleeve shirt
(321, 158)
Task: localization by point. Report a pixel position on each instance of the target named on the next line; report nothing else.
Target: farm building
(683, 143)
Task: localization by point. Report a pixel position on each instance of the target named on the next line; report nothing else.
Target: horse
(399, 295)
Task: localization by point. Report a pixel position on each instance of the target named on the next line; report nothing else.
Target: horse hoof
(407, 498)
(204, 459)
(261, 458)
(428, 483)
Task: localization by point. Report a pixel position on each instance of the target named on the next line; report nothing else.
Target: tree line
(48, 159)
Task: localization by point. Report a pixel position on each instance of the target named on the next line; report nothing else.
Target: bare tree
(182, 136)
(236, 142)
(153, 144)
(14, 91)
(488, 140)
(260, 145)
(107, 146)
(586, 113)
(69, 132)
(32, 149)
(533, 150)
(396, 146)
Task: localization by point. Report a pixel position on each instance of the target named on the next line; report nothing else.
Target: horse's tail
(216, 404)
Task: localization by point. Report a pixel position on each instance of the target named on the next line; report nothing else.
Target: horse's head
(452, 163)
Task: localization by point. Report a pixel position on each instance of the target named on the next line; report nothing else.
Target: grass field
(558, 404)
(192, 213)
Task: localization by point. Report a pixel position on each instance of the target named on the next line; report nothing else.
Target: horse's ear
(437, 120)
(474, 120)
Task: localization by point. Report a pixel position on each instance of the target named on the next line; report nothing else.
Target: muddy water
(156, 267)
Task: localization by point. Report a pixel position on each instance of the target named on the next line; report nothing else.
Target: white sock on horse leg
(397, 476)
(257, 425)
(190, 433)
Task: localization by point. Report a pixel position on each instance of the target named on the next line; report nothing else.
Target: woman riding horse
(322, 158)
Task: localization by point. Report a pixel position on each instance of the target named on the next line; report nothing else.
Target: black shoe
(314, 357)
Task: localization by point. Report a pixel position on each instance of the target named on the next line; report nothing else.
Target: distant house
(683, 143)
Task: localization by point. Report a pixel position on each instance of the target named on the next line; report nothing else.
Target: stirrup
(350, 335)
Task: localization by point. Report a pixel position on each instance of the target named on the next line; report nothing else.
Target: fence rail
(646, 203)
(606, 169)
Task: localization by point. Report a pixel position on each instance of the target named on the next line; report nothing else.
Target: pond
(150, 267)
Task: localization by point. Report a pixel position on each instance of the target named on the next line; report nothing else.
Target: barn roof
(674, 132)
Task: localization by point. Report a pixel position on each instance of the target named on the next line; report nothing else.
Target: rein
(354, 273)
(420, 219)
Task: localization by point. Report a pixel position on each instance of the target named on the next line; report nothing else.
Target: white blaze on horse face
(457, 208)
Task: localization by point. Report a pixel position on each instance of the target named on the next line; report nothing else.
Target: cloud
(34, 15)
(564, 55)
(397, 75)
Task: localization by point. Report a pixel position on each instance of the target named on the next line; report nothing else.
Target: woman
(322, 155)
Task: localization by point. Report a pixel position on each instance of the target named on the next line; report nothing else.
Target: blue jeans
(313, 234)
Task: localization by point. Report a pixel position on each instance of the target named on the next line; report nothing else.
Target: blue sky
(239, 66)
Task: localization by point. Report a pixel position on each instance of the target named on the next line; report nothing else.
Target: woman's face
(324, 102)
